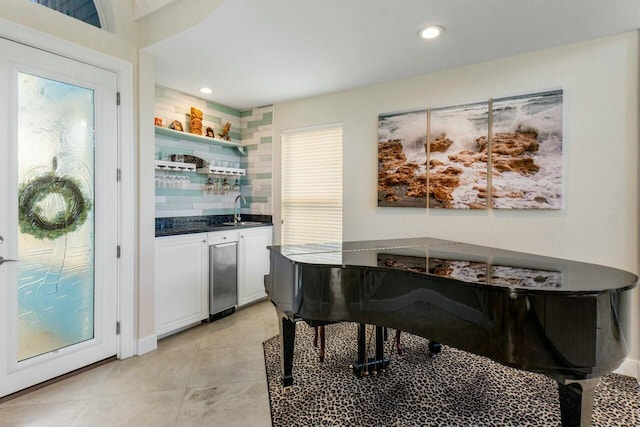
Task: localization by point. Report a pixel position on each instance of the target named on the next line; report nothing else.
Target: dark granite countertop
(174, 226)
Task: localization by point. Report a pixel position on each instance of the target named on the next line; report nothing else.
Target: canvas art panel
(402, 156)
(462, 164)
(526, 151)
(458, 156)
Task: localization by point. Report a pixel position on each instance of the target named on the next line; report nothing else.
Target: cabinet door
(181, 282)
(253, 263)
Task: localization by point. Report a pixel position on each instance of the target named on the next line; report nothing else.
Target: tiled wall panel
(251, 128)
(255, 134)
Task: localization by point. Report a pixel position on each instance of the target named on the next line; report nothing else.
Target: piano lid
(473, 264)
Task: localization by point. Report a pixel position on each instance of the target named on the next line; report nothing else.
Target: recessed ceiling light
(206, 90)
(431, 32)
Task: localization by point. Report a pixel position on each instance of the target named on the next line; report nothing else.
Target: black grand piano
(556, 317)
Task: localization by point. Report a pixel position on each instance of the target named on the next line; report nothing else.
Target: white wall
(599, 222)
(146, 331)
(171, 18)
(145, 7)
(119, 41)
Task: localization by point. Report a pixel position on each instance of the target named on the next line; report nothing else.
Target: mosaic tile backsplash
(251, 128)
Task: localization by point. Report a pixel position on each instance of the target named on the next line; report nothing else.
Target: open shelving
(177, 166)
(191, 167)
(198, 138)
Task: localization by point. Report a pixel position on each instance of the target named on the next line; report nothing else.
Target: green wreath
(31, 216)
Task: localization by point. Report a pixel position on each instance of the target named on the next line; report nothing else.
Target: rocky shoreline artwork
(517, 164)
(526, 152)
(458, 157)
(402, 175)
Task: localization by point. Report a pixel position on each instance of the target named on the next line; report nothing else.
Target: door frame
(127, 228)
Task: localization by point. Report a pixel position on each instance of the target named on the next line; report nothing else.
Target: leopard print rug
(455, 388)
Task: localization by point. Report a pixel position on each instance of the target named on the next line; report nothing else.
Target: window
(83, 10)
(312, 185)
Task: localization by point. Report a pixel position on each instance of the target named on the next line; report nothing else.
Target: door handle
(2, 260)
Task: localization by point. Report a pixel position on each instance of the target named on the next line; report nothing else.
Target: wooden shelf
(198, 138)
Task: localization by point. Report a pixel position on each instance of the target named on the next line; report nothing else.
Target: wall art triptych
(503, 153)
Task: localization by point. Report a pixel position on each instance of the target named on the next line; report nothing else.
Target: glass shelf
(219, 170)
(176, 166)
(198, 138)
(191, 167)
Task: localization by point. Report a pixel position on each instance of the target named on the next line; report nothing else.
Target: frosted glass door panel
(55, 214)
(59, 215)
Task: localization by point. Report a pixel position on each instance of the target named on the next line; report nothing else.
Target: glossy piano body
(556, 317)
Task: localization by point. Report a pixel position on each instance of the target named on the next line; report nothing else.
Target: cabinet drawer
(217, 237)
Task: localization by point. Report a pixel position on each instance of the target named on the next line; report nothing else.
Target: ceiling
(257, 52)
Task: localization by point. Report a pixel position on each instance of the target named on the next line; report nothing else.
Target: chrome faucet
(236, 215)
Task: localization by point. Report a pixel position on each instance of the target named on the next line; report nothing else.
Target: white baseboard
(629, 368)
(147, 344)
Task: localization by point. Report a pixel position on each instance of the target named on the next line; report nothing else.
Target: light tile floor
(210, 375)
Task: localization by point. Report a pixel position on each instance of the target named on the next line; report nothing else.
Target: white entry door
(58, 215)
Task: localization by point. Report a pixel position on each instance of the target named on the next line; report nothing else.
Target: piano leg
(315, 336)
(576, 401)
(362, 347)
(287, 343)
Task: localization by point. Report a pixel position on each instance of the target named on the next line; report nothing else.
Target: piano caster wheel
(434, 348)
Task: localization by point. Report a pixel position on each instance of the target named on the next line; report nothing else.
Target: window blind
(312, 185)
